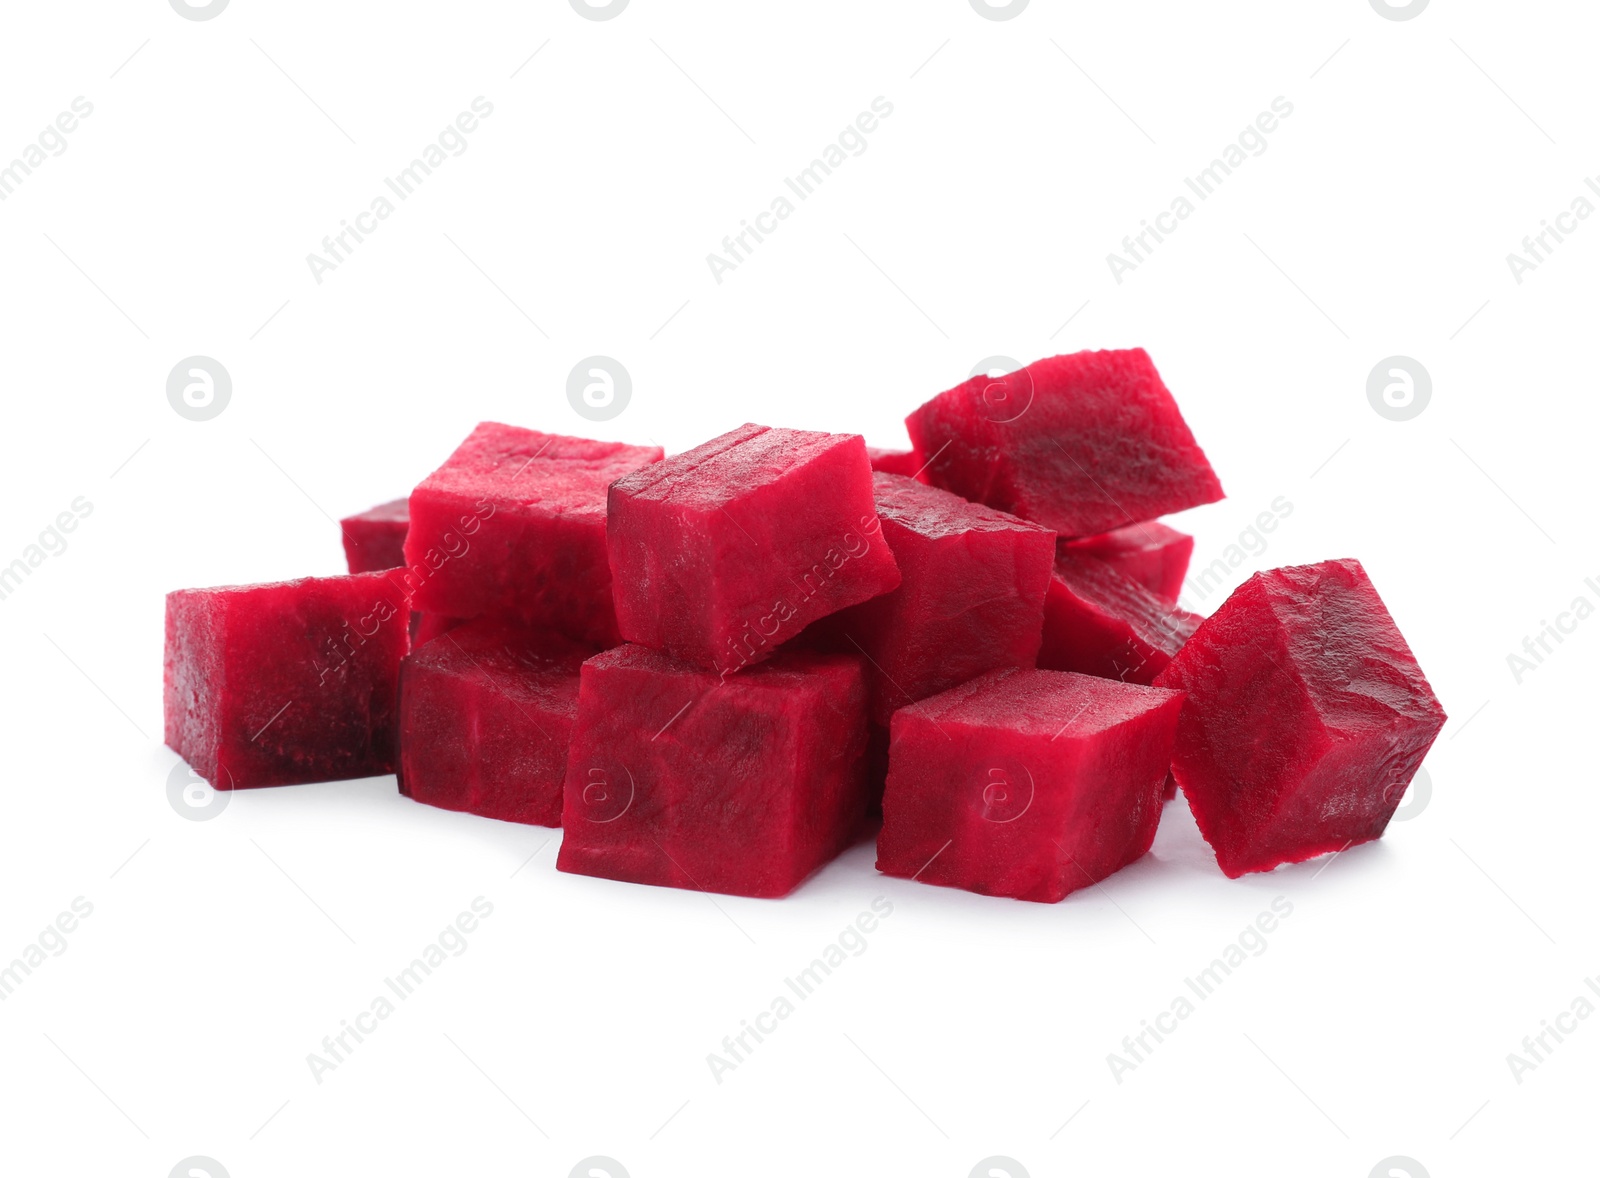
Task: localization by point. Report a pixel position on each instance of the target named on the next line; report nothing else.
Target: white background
(977, 222)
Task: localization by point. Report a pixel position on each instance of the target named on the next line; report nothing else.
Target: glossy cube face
(725, 552)
(486, 714)
(375, 540)
(285, 683)
(1025, 783)
(513, 525)
(1098, 622)
(1081, 444)
(970, 599)
(744, 784)
(1150, 554)
(1306, 717)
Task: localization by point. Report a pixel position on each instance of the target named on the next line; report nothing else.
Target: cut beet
(426, 627)
(725, 552)
(904, 462)
(1152, 554)
(376, 539)
(1098, 622)
(1026, 783)
(1082, 443)
(514, 525)
(284, 683)
(1306, 717)
(744, 784)
(970, 600)
(486, 714)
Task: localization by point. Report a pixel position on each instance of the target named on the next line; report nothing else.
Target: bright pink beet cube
(376, 539)
(905, 462)
(284, 683)
(1099, 622)
(1081, 444)
(744, 784)
(486, 713)
(1152, 554)
(1026, 783)
(725, 552)
(1306, 717)
(514, 525)
(971, 595)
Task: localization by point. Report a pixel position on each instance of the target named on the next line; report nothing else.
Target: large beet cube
(486, 714)
(1082, 443)
(1026, 783)
(514, 525)
(971, 595)
(1305, 719)
(284, 683)
(722, 553)
(1152, 554)
(743, 784)
(376, 539)
(1099, 622)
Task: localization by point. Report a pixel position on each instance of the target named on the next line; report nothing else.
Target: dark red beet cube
(1082, 443)
(906, 462)
(725, 552)
(1098, 622)
(376, 539)
(284, 683)
(426, 627)
(1026, 783)
(514, 525)
(1152, 554)
(743, 784)
(971, 595)
(486, 714)
(1306, 717)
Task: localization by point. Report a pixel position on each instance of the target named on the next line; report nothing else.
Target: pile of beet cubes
(714, 670)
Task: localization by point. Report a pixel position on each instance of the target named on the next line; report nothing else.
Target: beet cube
(426, 627)
(724, 552)
(1306, 717)
(1152, 554)
(284, 683)
(743, 784)
(1099, 622)
(906, 462)
(486, 714)
(1026, 783)
(375, 540)
(971, 595)
(1081, 443)
(514, 525)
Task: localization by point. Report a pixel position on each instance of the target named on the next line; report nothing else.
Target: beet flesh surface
(375, 540)
(1082, 443)
(486, 713)
(906, 462)
(1152, 554)
(514, 525)
(1306, 717)
(744, 784)
(283, 683)
(1098, 622)
(1026, 783)
(724, 552)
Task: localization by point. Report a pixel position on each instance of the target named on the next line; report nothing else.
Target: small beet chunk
(906, 462)
(376, 539)
(1306, 717)
(1152, 554)
(1026, 783)
(1098, 622)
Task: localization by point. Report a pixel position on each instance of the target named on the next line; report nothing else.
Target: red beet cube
(1098, 622)
(1152, 554)
(376, 539)
(971, 595)
(1081, 443)
(743, 784)
(486, 713)
(284, 683)
(514, 525)
(724, 552)
(1305, 719)
(906, 462)
(1026, 783)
